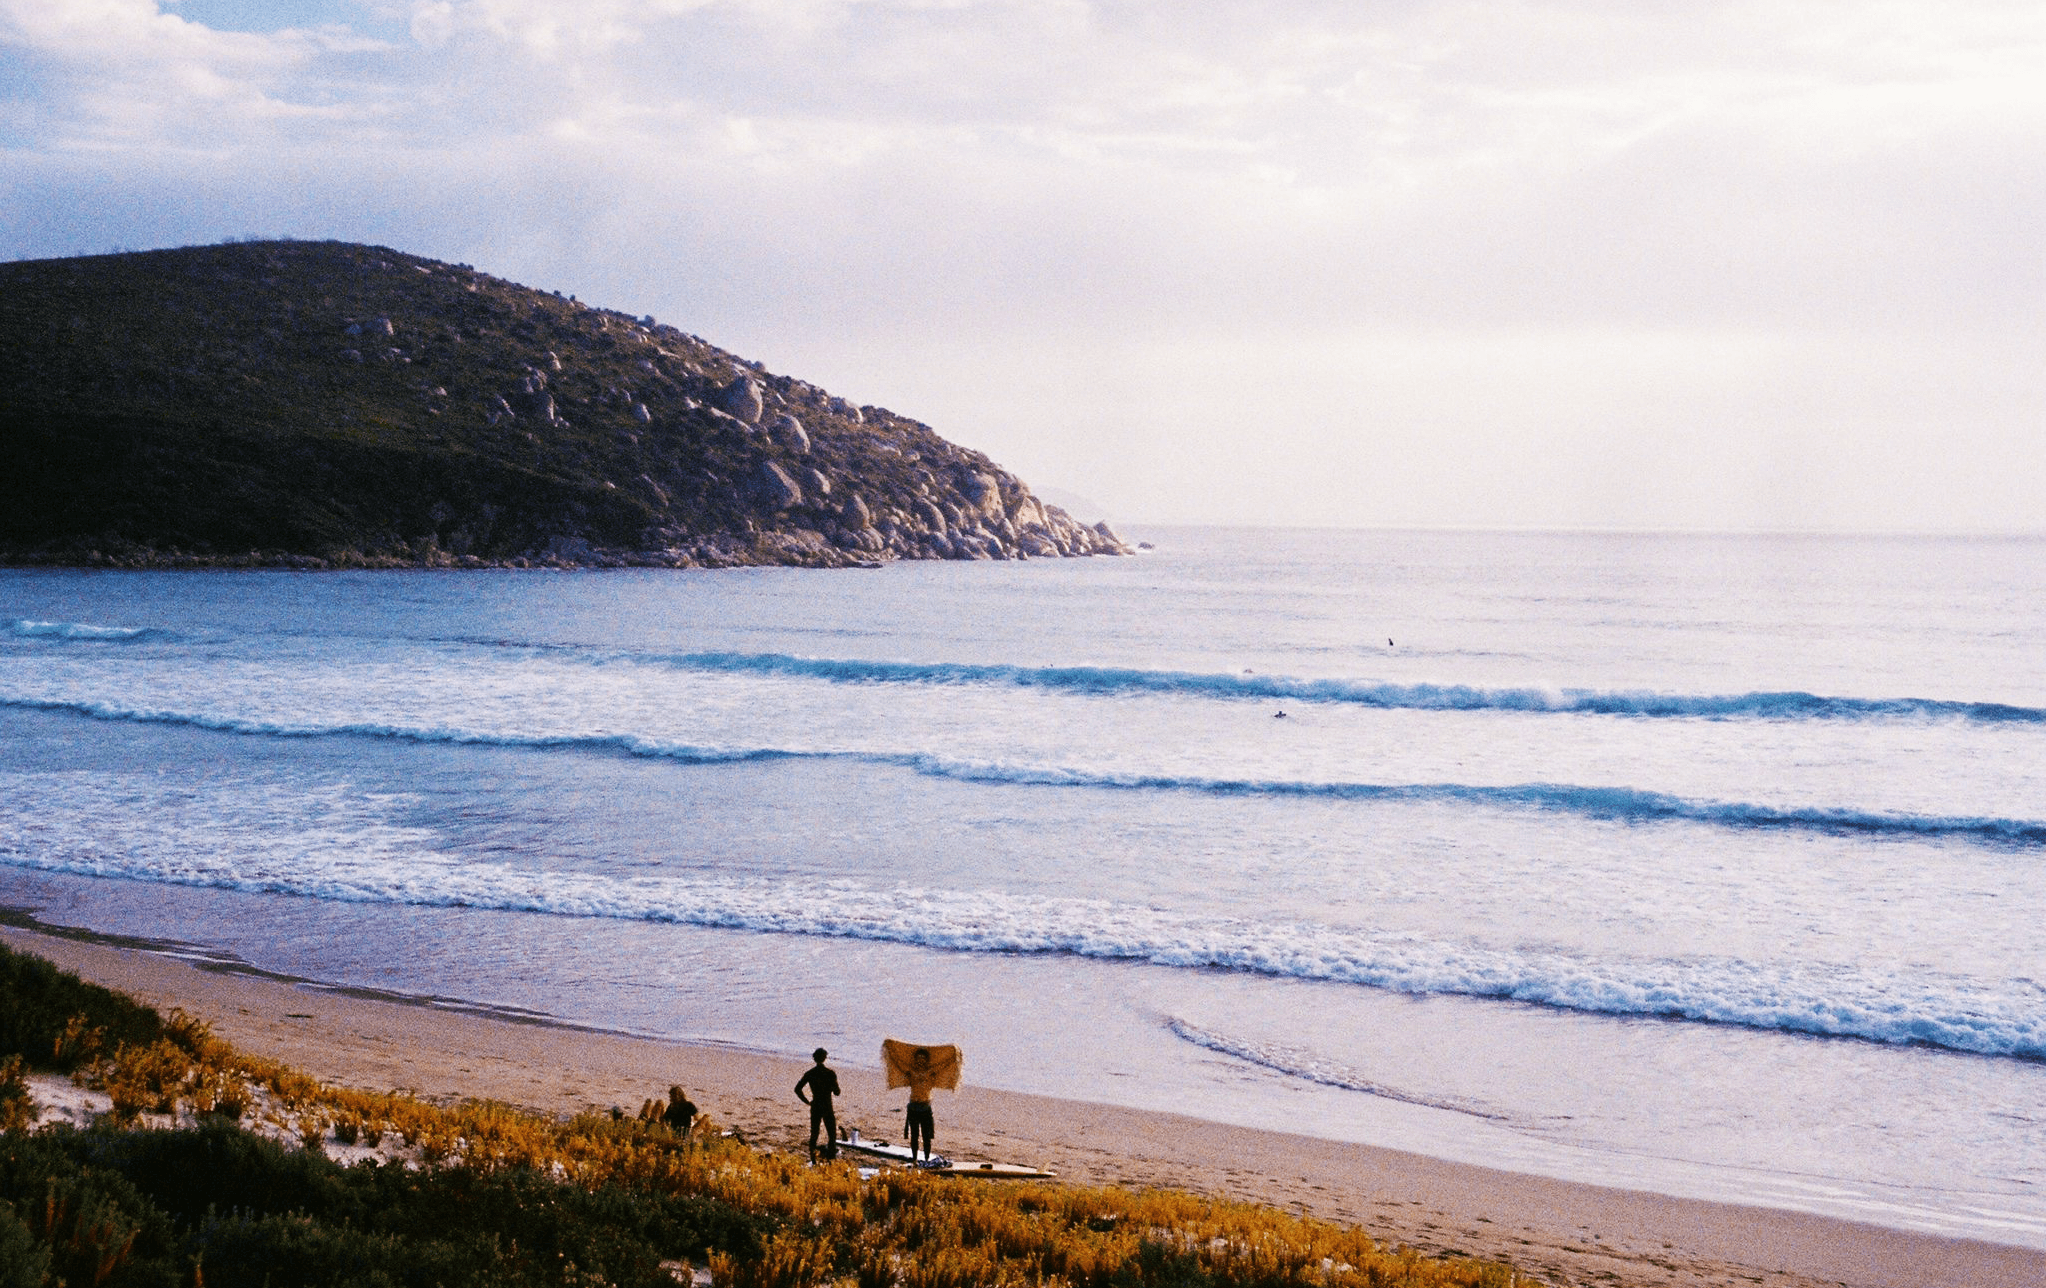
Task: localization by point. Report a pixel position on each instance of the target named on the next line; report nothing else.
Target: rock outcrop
(787, 433)
(324, 404)
(777, 490)
(742, 400)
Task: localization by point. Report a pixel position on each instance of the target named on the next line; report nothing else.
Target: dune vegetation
(214, 1168)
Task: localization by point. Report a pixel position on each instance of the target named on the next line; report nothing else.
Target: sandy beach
(1566, 1232)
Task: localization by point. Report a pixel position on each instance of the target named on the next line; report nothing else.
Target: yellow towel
(939, 1068)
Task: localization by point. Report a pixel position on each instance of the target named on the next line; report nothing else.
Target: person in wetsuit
(816, 1088)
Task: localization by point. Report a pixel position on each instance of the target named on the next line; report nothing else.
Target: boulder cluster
(799, 500)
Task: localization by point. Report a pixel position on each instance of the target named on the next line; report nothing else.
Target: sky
(1629, 264)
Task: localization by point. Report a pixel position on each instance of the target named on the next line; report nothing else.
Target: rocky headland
(322, 404)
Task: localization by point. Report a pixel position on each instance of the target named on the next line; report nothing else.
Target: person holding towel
(922, 1069)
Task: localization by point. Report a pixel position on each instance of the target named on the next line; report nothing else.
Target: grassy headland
(325, 404)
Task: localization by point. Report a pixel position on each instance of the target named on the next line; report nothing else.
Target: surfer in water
(816, 1088)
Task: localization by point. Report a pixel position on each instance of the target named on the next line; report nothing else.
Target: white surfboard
(946, 1166)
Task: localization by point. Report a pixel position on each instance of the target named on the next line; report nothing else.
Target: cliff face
(325, 404)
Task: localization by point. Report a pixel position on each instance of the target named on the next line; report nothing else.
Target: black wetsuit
(822, 1084)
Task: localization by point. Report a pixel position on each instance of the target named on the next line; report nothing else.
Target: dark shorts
(920, 1115)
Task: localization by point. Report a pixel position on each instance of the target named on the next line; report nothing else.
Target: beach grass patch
(56, 1021)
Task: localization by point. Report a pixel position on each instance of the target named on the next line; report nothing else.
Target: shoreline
(275, 561)
(1561, 1230)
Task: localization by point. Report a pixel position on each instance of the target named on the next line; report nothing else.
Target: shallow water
(1705, 865)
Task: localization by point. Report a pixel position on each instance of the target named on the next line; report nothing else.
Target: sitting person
(680, 1115)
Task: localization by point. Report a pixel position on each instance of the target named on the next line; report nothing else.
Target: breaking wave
(1105, 681)
(1614, 804)
(1113, 681)
(1618, 804)
(24, 628)
(1920, 1007)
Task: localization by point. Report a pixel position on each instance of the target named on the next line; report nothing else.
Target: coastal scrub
(216, 1168)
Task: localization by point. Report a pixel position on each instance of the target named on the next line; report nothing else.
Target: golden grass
(895, 1229)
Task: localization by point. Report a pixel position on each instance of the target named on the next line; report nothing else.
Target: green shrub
(275, 1250)
(57, 1021)
(93, 1224)
(24, 1261)
(216, 1165)
(137, 1209)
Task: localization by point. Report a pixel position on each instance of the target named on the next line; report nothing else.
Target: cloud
(119, 77)
(1446, 224)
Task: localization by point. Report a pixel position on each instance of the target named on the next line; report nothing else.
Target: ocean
(1706, 865)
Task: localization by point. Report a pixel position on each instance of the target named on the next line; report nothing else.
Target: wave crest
(1618, 804)
(1615, 804)
(1115, 681)
(85, 632)
(1920, 1008)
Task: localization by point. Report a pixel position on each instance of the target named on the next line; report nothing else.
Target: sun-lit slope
(297, 401)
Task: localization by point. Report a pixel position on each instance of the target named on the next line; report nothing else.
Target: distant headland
(328, 405)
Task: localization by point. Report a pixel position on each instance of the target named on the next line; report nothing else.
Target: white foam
(27, 629)
(329, 841)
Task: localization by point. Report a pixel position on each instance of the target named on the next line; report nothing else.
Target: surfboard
(947, 1166)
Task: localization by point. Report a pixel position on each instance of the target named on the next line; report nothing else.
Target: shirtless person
(918, 1122)
(816, 1088)
(923, 1069)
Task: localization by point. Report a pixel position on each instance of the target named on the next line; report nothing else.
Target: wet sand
(1566, 1232)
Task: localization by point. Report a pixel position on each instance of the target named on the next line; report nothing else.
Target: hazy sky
(1630, 263)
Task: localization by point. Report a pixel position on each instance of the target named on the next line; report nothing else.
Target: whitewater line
(1106, 681)
(1110, 681)
(1924, 1008)
(1618, 804)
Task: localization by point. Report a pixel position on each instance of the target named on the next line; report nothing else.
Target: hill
(322, 404)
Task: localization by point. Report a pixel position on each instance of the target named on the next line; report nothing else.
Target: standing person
(918, 1121)
(922, 1069)
(816, 1088)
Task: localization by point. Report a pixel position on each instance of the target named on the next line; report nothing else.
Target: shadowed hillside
(326, 404)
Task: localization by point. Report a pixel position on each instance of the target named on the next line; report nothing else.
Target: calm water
(1715, 866)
